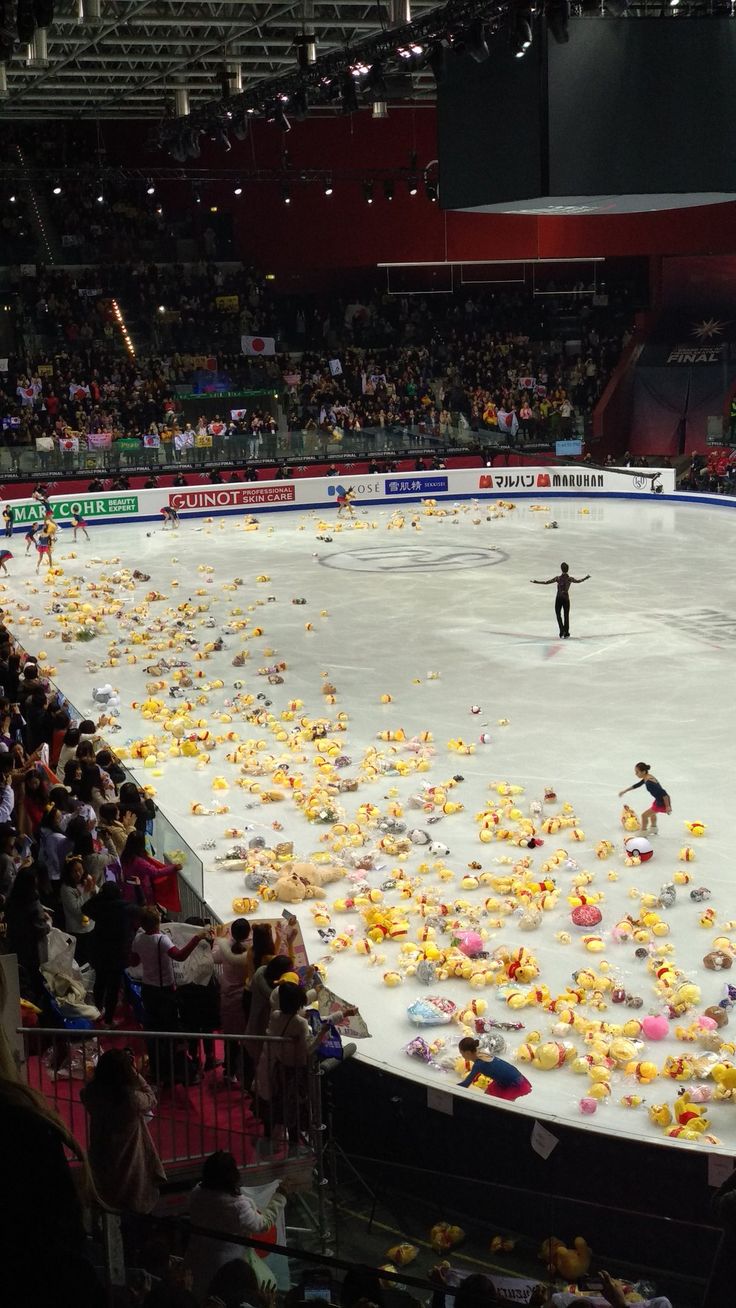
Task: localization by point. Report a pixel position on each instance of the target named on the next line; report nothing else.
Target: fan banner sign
(99, 440)
(258, 345)
(522, 482)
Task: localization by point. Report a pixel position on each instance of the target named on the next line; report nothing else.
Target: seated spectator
(77, 888)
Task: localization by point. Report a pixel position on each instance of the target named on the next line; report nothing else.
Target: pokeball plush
(639, 846)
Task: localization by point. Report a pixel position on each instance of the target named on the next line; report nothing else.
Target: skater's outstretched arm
(578, 580)
(551, 582)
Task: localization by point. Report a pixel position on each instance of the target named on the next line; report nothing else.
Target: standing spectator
(156, 953)
(220, 1203)
(125, 1165)
(77, 887)
(28, 924)
(110, 943)
(233, 955)
(141, 871)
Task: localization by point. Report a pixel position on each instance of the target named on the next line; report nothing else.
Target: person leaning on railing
(220, 1203)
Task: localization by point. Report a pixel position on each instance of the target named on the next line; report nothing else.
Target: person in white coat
(220, 1203)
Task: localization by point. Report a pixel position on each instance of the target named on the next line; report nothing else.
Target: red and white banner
(214, 497)
(255, 345)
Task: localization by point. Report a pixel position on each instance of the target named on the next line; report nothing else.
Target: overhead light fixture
(349, 95)
(431, 189)
(197, 197)
(388, 188)
(380, 109)
(159, 210)
(88, 12)
(181, 102)
(11, 199)
(399, 13)
(328, 187)
(3, 82)
(162, 308)
(368, 192)
(100, 198)
(150, 189)
(475, 41)
(286, 193)
(558, 17)
(213, 208)
(306, 50)
(57, 189)
(412, 184)
(38, 50)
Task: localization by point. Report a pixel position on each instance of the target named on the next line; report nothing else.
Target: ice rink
(440, 616)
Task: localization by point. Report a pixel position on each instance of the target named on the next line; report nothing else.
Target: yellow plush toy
(443, 1236)
(570, 1264)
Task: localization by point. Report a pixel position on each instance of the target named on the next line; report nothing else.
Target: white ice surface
(647, 674)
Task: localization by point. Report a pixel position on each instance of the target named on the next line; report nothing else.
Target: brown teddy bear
(302, 881)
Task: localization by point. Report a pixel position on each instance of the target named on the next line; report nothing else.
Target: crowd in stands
(714, 473)
(489, 366)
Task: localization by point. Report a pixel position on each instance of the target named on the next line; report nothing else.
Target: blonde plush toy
(303, 881)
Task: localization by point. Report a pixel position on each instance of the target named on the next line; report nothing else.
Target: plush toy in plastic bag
(330, 1046)
(431, 1010)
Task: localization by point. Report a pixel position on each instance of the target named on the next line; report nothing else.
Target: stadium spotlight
(57, 188)
(379, 109)
(286, 193)
(328, 187)
(100, 197)
(368, 192)
(4, 92)
(388, 188)
(150, 189)
(432, 190)
(237, 190)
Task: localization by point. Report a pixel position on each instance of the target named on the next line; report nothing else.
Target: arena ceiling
(130, 61)
(128, 58)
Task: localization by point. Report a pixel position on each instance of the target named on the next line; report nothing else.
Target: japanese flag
(255, 345)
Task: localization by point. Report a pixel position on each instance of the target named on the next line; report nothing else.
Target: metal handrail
(94, 1033)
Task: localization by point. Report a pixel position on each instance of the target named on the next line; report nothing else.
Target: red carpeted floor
(190, 1120)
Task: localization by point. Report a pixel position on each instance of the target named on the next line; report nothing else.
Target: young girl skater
(43, 548)
(31, 534)
(78, 524)
(171, 517)
(660, 798)
(506, 1081)
(4, 556)
(345, 503)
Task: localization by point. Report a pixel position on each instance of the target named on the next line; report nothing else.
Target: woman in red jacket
(141, 873)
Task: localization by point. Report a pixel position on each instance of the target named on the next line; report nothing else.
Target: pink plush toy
(655, 1027)
(469, 943)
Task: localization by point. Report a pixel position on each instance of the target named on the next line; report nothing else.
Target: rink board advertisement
(324, 493)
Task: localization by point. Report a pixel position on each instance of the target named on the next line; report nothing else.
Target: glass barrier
(298, 448)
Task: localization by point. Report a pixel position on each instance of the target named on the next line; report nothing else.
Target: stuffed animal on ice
(570, 1264)
(106, 695)
(443, 1236)
(638, 847)
(302, 881)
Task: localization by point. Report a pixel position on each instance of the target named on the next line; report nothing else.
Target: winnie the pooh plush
(302, 881)
(570, 1264)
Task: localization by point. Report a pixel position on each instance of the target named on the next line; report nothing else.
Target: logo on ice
(213, 498)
